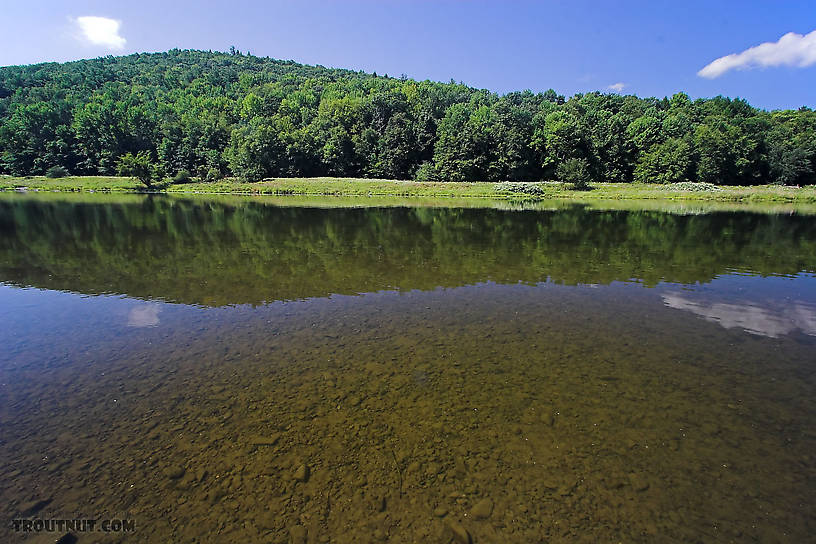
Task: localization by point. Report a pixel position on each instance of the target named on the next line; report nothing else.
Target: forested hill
(229, 114)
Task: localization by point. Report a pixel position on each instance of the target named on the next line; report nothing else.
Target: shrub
(426, 172)
(56, 172)
(138, 166)
(183, 176)
(692, 186)
(213, 174)
(517, 187)
(576, 172)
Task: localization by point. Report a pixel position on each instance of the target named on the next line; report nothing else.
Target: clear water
(567, 375)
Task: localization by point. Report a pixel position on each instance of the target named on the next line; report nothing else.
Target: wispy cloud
(101, 31)
(617, 87)
(791, 50)
(145, 315)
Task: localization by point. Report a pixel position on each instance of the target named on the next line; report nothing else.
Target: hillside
(230, 114)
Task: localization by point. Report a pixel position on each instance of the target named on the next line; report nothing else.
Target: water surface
(570, 374)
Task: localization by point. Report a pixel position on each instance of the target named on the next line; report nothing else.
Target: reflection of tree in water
(206, 252)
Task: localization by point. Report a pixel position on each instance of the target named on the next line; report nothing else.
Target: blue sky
(650, 48)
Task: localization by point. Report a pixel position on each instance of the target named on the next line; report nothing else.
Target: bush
(138, 166)
(56, 172)
(517, 187)
(576, 172)
(213, 174)
(426, 172)
(183, 176)
(692, 186)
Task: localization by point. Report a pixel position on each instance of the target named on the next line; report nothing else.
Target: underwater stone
(482, 509)
(301, 474)
(638, 482)
(34, 506)
(174, 473)
(460, 534)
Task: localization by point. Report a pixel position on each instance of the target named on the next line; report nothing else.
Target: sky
(762, 51)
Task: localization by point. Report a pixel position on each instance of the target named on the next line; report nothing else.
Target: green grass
(434, 190)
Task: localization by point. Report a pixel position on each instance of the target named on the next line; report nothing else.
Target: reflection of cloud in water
(769, 319)
(145, 315)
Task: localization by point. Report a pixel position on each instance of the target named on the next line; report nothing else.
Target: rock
(638, 482)
(548, 418)
(269, 440)
(52, 538)
(200, 474)
(440, 511)
(301, 474)
(482, 509)
(615, 482)
(174, 473)
(267, 520)
(460, 534)
(297, 534)
(33, 507)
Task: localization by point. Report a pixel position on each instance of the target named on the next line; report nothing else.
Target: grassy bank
(443, 190)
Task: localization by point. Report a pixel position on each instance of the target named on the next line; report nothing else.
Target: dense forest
(231, 114)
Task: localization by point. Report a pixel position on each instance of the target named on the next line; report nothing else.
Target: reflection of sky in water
(764, 306)
(146, 315)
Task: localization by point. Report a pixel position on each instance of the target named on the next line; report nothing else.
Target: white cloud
(791, 50)
(764, 318)
(617, 87)
(145, 315)
(100, 31)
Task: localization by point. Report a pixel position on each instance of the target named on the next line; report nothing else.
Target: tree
(56, 172)
(575, 172)
(564, 139)
(669, 162)
(138, 166)
(714, 147)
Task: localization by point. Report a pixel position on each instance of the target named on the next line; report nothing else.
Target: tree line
(211, 115)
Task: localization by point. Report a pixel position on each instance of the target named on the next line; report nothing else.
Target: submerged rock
(267, 520)
(301, 474)
(33, 507)
(482, 509)
(174, 473)
(269, 440)
(460, 534)
(638, 482)
(298, 534)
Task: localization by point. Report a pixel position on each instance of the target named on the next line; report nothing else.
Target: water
(566, 375)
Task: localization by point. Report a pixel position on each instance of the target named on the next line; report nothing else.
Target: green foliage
(183, 176)
(575, 172)
(696, 187)
(137, 166)
(516, 187)
(426, 172)
(255, 118)
(56, 172)
(669, 162)
(213, 174)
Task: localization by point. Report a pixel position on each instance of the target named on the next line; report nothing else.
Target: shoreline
(351, 187)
